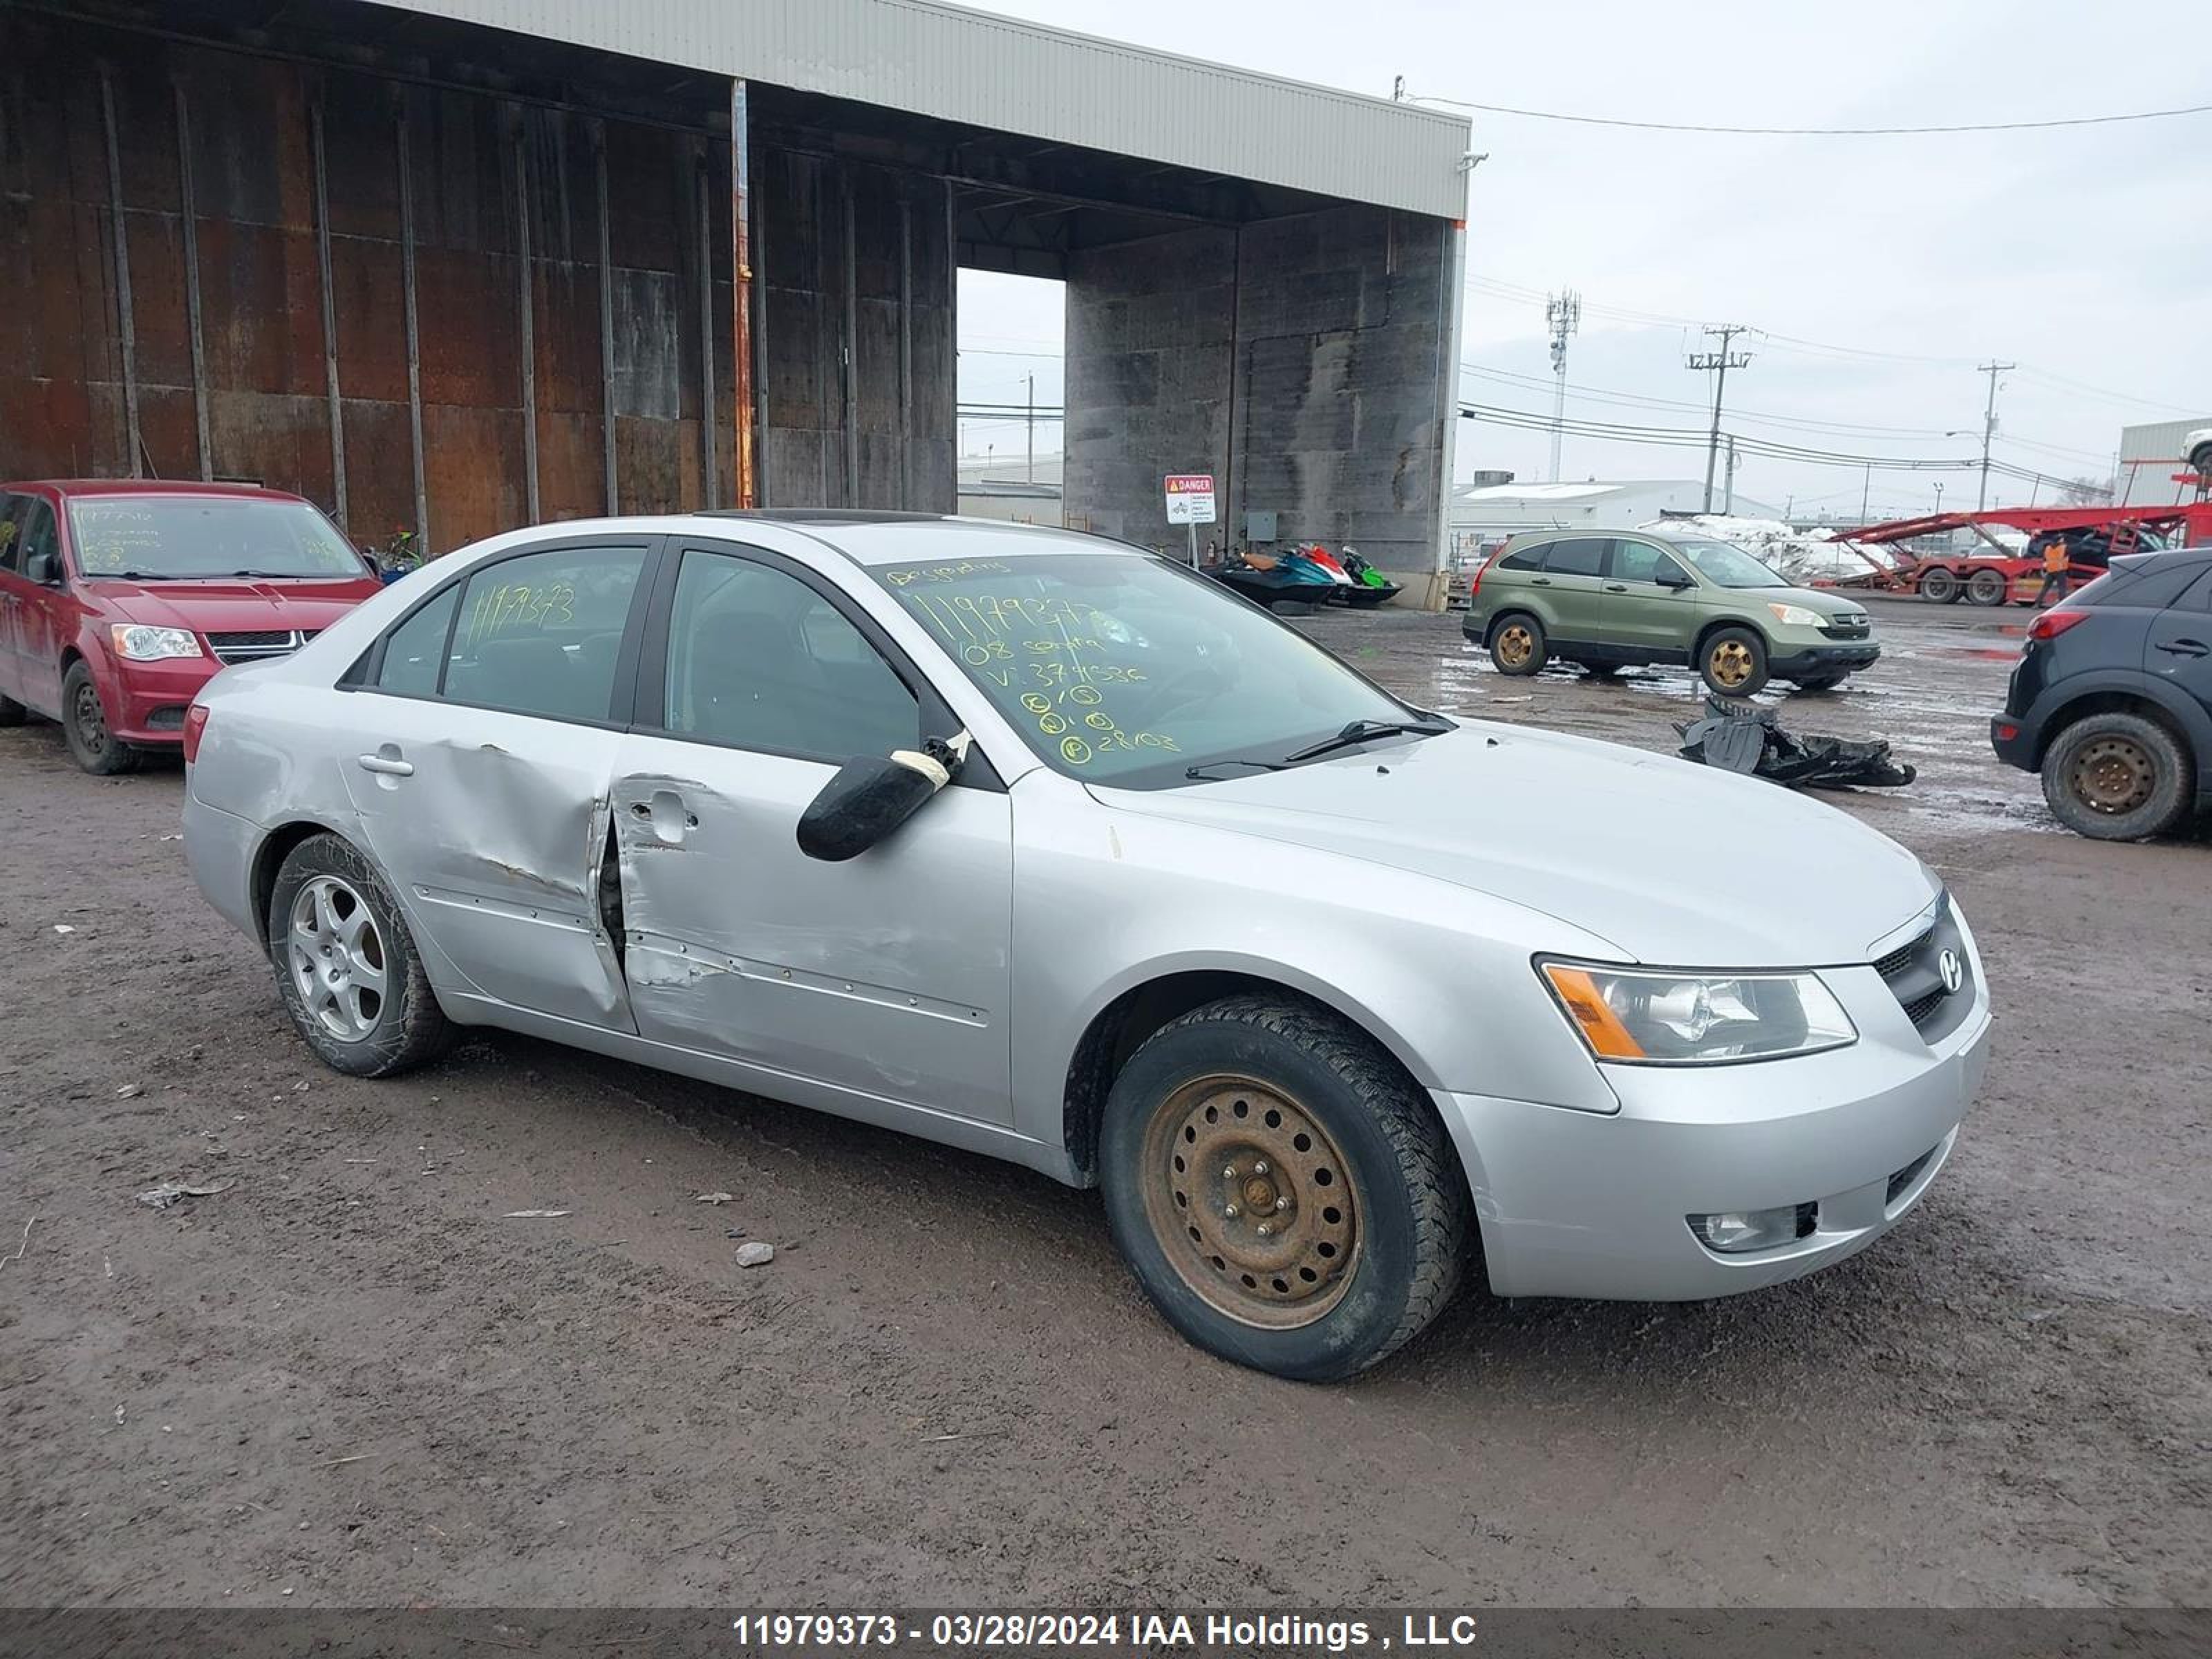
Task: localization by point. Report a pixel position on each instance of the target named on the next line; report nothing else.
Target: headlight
(1796, 616)
(140, 643)
(1639, 1017)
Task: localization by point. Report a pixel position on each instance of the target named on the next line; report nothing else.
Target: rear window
(2147, 583)
(1528, 558)
(1580, 556)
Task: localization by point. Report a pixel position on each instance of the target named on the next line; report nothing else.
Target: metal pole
(710, 484)
(189, 218)
(1713, 443)
(1029, 429)
(1992, 369)
(1866, 493)
(126, 325)
(906, 350)
(525, 291)
(613, 485)
(1193, 528)
(851, 352)
(414, 335)
(330, 308)
(741, 293)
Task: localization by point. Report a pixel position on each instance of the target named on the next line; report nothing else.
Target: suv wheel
(1281, 1190)
(1939, 585)
(84, 727)
(1518, 645)
(2118, 777)
(347, 967)
(1734, 662)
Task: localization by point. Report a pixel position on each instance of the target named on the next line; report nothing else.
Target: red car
(118, 600)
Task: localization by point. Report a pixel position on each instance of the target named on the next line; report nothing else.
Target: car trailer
(2094, 534)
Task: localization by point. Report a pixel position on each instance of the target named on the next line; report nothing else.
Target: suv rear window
(2148, 582)
(1528, 558)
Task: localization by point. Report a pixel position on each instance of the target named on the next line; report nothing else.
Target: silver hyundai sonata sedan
(1050, 848)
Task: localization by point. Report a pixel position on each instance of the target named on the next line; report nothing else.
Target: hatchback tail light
(195, 724)
(2051, 623)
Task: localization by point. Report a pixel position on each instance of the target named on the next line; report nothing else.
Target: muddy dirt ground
(349, 1378)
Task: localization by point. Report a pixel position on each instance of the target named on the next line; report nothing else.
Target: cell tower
(1564, 311)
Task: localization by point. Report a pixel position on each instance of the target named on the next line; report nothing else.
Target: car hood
(1826, 604)
(239, 606)
(1672, 863)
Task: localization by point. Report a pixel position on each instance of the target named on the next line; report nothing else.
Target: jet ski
(1298, 576)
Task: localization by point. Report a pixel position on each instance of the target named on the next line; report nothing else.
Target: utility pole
(1992, 369)
(1728, 499)
(1030, 428)
(1720, 361)
(1564, 311)
(1866, 494)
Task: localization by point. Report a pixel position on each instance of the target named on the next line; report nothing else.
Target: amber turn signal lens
(1586, 1006)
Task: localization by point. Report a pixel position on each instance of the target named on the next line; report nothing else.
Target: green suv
(1612, 601)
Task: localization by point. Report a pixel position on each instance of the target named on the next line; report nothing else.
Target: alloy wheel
(1251, 1200)
(336, 958)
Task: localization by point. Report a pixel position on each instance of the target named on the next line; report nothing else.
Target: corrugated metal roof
(1019, 77)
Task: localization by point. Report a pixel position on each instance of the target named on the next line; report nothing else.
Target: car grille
(258, 645)
(1848, 628)
(1914, 974)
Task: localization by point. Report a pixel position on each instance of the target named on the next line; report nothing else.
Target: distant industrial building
(2149, 457)
(1487, 513)
(1014, 490)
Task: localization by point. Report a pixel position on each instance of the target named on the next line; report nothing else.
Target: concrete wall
(1297, 359)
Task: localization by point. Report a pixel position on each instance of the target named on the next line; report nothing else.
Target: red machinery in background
(2094, 535)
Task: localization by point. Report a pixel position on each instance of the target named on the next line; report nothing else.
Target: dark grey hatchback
(2111, 699)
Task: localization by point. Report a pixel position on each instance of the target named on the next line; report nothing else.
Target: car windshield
(1129, 670)
(1725, 566)
(179, 537)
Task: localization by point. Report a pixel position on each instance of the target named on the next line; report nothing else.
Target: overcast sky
(2084, 254)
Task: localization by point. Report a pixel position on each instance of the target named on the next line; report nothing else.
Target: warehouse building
(1492, 512)
(2150, 457)
(455, 265)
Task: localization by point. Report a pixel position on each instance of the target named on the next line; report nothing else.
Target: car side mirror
(1676, 579)
(871, 796)
(43, 567)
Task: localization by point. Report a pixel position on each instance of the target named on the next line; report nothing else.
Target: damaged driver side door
(485, 733)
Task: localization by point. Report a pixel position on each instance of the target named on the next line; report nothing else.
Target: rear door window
(415, 654)
(1579, 556)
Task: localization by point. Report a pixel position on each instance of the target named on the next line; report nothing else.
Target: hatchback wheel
(2118, 777)
(1283, 1193)
(1517, 646)
(84, 727)
(1734, 662)
(348, 969)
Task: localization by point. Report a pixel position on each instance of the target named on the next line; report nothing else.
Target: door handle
(390, 765)
(1539, 581)
(1616, 587)
(2185, 647)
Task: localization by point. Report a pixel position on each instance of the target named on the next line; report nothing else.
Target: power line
(1819, 132)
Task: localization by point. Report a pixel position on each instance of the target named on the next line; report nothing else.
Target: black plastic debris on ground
(1738, 737)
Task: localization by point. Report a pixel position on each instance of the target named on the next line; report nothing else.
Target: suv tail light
(1482, 569)
(195, 724)
(2051, 623)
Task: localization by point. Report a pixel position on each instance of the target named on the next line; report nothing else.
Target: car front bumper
(1787, 662)
(1584, 1204)
(145, 702)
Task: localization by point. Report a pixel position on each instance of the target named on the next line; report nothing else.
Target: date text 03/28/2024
(1198, 1631)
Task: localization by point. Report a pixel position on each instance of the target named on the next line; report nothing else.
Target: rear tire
(1518, 645)
(346, 965)
(1268, 1112)
(1940, 587)
(84, 727)
(1734, 662)
(2118, 777)
(1987, 587)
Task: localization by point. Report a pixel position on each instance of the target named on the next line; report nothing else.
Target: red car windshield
(183, 537)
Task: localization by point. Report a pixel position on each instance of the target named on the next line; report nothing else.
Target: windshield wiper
(131, 576)
(1200, 772)
(1358, 731)
(283, 575)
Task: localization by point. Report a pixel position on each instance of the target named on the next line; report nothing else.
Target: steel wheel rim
(1515, 644)
(1731, 662)
(1215, 1176)
(337, 959)
(2113, 776)
(91, 719)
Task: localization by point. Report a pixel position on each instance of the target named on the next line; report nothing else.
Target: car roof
(872, 538)
(72, 486)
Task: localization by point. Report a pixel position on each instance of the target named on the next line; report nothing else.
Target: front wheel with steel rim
(1734, 662)
(1518, 645)
(1284, 1193)
(2118, 777)
(84, 727)
(347, 970)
